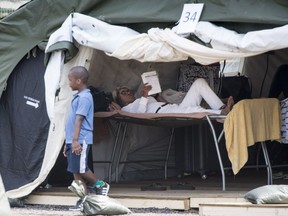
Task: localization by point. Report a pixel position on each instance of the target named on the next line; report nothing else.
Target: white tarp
(60, 108)
(160, 45)
(4, 204)
(251, 42)
(163, 45)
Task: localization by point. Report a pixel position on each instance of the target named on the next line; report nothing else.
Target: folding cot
(174, 120)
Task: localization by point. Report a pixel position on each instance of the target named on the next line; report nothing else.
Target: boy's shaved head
(80, 72)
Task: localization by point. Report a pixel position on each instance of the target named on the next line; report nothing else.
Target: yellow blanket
(250, 121)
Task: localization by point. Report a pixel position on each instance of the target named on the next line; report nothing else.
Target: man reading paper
(199, 90)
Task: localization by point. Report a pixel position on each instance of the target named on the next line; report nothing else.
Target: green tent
(36, 21)
(25, 33)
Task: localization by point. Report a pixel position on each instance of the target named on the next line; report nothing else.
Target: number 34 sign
(189, 18)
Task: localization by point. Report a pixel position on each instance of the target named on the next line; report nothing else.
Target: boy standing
(79, 132)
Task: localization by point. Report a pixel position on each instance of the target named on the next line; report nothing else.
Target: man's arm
(159, 98)
(76, 147)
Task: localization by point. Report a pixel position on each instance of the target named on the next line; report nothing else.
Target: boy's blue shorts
(77, 163)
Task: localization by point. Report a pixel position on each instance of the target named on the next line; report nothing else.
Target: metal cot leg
(267, 162)
(113, 152)
(168, 152)
(120, 152)
(216, 141)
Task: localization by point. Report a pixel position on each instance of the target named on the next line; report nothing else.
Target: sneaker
(100, 188)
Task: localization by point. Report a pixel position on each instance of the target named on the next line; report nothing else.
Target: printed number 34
(190, 16)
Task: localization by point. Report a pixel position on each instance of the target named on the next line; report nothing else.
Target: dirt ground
(38, 211)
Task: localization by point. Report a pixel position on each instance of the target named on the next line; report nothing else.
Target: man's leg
(78, 176)
(226, 109)
(201, 90)
(87, 177)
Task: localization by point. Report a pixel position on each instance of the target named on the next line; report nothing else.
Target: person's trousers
(201, 90)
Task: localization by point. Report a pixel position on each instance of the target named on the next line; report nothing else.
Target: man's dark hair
(80, 72)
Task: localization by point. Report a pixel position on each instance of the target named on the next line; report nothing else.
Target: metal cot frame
(172, 123)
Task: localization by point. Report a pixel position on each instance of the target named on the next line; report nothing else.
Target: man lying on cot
(191, 103)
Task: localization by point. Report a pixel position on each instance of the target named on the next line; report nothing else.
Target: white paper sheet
(152, 79)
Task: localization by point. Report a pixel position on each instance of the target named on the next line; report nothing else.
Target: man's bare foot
(228, 107)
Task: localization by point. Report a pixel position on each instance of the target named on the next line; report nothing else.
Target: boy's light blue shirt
(82, 104)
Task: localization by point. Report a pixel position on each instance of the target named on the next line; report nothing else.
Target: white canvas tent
(160, 45)
(5, 207)
(157, 46)
(108, 59)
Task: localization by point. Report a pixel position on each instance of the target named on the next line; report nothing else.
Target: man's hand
(145, 90)
(76, 147)
(114, 106)
(64, 151)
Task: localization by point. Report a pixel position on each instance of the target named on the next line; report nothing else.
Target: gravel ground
(37, 210)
